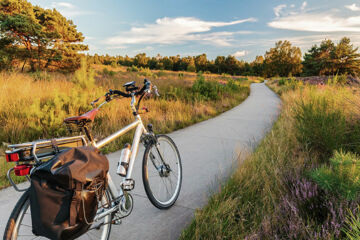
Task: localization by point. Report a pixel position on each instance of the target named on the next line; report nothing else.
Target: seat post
(88, 133)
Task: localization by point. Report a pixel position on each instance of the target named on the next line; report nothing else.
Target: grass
(34, 105)
(272, 194)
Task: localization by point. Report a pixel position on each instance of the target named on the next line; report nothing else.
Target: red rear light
(22, 170)
(12, 157)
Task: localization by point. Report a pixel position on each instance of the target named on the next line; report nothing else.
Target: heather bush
(306, 212)
(342, 176)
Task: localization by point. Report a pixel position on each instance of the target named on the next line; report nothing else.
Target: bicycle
(161, 161)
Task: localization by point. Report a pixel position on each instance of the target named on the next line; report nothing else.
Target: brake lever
(155, 90)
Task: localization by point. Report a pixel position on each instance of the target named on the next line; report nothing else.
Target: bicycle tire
(145, 175)
(22, 205)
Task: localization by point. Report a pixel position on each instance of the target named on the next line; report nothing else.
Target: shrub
(306, 212)
(110, 73)
(145, 72)
(191, 68)
(342, 177)
(40, 76)
(114, 64)
(84, 77)
(160, 73)
(352, 230)
(205, 90)
(132, 69)
(337, 79)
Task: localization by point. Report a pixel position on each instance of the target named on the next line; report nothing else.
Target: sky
(240, 28)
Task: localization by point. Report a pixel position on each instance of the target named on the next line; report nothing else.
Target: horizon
(217, 29)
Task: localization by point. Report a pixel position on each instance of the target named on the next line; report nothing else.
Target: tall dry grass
(33, 106)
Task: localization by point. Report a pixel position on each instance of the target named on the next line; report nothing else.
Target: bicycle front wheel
(162, 172)
(19, 225)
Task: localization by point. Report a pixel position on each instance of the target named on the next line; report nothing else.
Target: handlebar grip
(118, 92)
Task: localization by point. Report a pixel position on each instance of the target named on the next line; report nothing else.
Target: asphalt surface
(210, 150)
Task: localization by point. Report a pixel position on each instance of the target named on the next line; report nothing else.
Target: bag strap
(55, 145)
(75, 203)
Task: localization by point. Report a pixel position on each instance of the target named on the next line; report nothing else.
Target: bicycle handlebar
(145, 88)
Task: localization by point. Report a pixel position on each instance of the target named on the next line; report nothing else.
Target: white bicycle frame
(140, 130)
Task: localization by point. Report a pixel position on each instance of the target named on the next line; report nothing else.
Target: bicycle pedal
(128, 185)
(116, 222)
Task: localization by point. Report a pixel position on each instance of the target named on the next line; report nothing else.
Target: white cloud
(178, 30)
(62, 5)
(317, 22)
(69, 10)
(303, 6)
(353, 7)
(240, 53)
(278, 9)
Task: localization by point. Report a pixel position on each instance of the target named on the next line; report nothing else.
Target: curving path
(209, 152)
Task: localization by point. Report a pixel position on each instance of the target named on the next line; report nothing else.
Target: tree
(141, 60)
(283, 60)
(346, 58)
(44, 36)
(318, 60)
(258, 66)
(191, 66)
(201, 62)
(331, 59)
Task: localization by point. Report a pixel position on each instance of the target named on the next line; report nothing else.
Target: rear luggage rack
(43, 149)
(37, 151)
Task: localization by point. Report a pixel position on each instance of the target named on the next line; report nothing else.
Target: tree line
(283, 59)
(43, 39)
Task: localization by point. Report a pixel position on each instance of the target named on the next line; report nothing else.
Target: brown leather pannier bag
(65, 192)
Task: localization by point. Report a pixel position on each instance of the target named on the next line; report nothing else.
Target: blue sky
(187, 27)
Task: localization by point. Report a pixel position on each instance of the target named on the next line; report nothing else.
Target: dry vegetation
(302, 182)
(34, 105)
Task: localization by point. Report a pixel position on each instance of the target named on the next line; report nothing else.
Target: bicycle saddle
(86, 117)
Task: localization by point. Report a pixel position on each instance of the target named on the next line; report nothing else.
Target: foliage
(341, 176)
(42, 37)
(331, 59)
(84, 77)
(306, 212)
(283, 60)
(352, 230)
(211, 90)
(320, 127)
(107, 72)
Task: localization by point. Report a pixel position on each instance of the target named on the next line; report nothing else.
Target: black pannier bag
(65, 191)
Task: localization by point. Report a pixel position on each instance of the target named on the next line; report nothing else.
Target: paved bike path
(209, 152)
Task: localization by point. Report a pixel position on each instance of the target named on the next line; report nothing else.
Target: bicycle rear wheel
(162, 172)
(19, 225)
